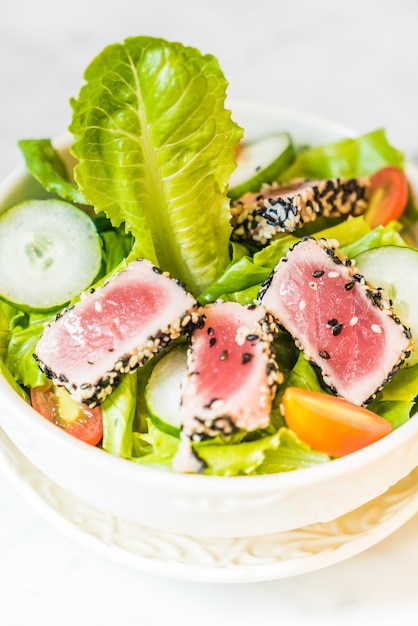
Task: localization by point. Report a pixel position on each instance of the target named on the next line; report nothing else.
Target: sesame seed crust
(277, 208)
(219, 417)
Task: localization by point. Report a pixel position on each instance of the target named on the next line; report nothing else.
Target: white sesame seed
(216, 405)
(313, 285)
(354, 320)
(302, 305)
(333, 243)
(376, 329)
(333, 274)
(98, 306)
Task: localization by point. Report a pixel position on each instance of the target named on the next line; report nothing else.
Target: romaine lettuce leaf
(156, 150)
(7, 313)
(279, 452)
(351, 157)
(45, 164)
(379, 236)
(19, 358)
(396, 412)
(118, 411)
(244, 276)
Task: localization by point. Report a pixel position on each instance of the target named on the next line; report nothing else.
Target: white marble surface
(353, 61)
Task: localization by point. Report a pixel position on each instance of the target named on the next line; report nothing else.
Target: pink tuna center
(118, 316)
(340, 322)
(227, 365)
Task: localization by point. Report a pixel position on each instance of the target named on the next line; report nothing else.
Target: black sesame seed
(349, 286)
(252, 337)
(224, 355)
(332, 322)
(324, 354)
(246, 358)
(337, 330)
(210, 330)
(271, 367)
(318, 273)
(212, 341)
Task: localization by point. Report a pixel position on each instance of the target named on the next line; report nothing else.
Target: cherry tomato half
(329, 424)
(389, 196)
(79, 420)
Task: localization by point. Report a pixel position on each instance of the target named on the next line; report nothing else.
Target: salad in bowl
(188, 300)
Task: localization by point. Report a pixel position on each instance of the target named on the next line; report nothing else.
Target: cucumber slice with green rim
(50, 252)
(163, 390)
(395, 270)
(260, 161)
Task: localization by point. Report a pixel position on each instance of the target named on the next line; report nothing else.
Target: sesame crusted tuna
(232, 375)
(276, 208)
(115, 329)
(341, 323)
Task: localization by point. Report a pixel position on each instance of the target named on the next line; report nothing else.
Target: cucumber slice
(163, 390)
(260, 161)
(49, 253)
(395, 269)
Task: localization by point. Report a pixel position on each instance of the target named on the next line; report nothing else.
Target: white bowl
(209, 505)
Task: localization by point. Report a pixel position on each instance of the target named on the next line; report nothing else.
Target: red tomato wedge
(329, 424)
(389, 196)
(55, 404)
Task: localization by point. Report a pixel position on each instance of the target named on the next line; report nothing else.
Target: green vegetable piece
(156, 150)
(19, 358)
(49, 252)
(261, 160)
(118, 412)
(46, 165)
(395, 269)
(351, 157)
(163, 391)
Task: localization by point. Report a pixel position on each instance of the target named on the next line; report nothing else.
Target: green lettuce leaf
(19, 358)
(379, 236)
(396, 412)
(279, 452)
(118, 411)
(7, 314)
(352, 157)
(156, 149)
(244, 276)
(291, 454)
(45, 164)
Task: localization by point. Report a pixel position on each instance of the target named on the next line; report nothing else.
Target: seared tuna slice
(258, 217)
(231, 372)
(340, 322)
(114, 329)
